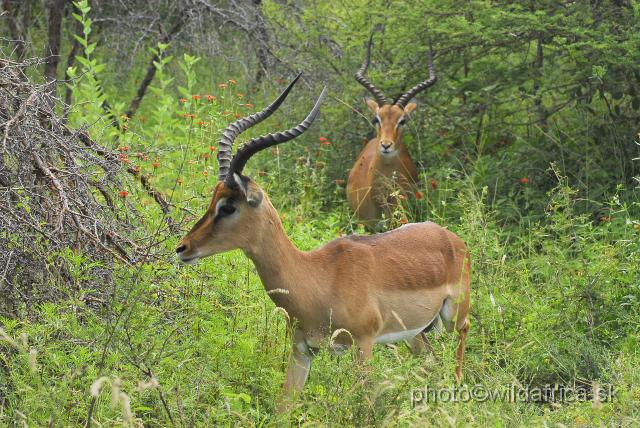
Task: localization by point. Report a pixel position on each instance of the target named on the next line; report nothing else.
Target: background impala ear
(410, 107)
(373, 105)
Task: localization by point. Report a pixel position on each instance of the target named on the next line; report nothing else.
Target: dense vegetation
(526, 146)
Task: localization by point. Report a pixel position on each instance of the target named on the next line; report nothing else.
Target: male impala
(385, 158)
(383, 288)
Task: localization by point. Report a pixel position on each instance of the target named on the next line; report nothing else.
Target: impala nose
(181, 248)
(385, 146)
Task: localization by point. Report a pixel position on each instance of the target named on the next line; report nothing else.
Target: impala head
(239, 210)
(389, 117)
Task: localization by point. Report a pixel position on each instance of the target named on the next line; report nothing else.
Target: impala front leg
(297, 370)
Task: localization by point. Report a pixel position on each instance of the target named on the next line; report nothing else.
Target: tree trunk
(52, 52)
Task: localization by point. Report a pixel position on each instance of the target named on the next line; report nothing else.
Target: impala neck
(277, 260)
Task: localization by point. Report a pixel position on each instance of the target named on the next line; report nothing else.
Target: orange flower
(156, 165)
(434, 184)
(123, 194)
(232, 81)
(211, 97)
(222, 85)
(123, 158)
(212, 148)
(202, 123)
(195, 97)
(418, 195)
(205, 173)
(239, 95)
(605, 218)
(183, 100)
(123, 148)
(322, 139)
(206, 156)
(404, 220)
(237, 115)
(524, 180)
(136, 169)
(179, 181)
(249, 105)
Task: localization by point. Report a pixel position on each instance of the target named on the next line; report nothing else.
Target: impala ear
(410, 107)
(373, 105)
(249, 190)
(254, 194)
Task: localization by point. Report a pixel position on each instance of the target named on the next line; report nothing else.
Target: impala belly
(399, 335)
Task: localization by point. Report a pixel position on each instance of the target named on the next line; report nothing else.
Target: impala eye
(376, 120)
(401, 122)
(227, 210)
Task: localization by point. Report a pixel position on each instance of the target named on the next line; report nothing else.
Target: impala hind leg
(462, 338)
(454, 317)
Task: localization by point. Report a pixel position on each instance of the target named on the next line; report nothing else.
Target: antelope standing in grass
(383, 288)
(385, 158)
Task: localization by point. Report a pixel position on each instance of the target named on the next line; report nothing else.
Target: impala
(385, 159)
(383, 288)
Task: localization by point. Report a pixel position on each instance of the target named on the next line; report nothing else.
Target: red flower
(123, 148)
(233, 82)
(123, 194)
(239, 95)
(211, 97)
(156, 165)
(237, 115)
(418, 195)
(434, 184)
(605, 218)
(322, 139)
(183, 100)
(524, 180)
(249, 105)
(206, 156)
(202, 123)
(222, 85)
(195, 97)
(213, 148)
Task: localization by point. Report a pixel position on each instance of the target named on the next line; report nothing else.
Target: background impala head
(239, 210)
(390, 117)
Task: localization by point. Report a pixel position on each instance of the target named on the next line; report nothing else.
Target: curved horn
(236, 128)
(377, 93)
(407, 96)
(245, 152)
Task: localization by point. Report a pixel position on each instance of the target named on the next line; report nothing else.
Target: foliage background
(526, 146)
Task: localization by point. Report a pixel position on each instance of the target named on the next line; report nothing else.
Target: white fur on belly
(399, 335)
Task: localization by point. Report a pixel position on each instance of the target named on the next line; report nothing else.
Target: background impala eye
(227, 209)
(401, 122)
(376, 121)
